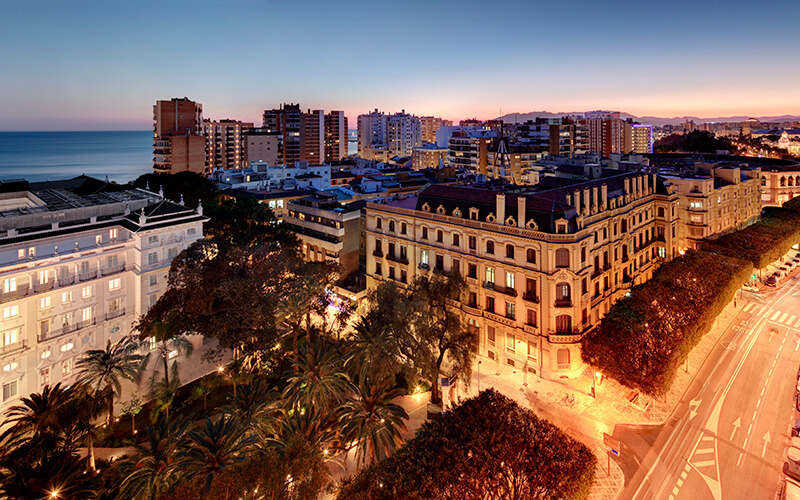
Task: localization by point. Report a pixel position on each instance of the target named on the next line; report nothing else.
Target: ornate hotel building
(80, 261)
(543, 265)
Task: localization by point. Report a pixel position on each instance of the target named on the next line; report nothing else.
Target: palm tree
(163, 390)
(150, 471)
(373, 420)
(59, 475)
(104, 369)
(169, 339)
(82, 410)
(317, 378)
(372, 349)
(40, 417)
(209, 451)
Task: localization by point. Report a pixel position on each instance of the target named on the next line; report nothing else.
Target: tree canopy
(485, 448)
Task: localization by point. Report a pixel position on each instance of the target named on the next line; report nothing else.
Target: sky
(101, 65)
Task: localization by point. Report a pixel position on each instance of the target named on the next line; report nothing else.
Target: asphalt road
(728, 437)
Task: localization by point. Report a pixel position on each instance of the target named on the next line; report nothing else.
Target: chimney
(595, 200)
(603, 197)
(627, 185)
(521, 211)
(501, 208)
(585, 201)
(576, 201)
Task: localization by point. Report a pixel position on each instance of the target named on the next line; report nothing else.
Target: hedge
(486, 447)
(645, 336)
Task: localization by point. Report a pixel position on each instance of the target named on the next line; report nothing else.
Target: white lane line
(783, 317)
(797, 324)
(680, 483)
(704, 463)
(777, 313)
(675, 490)
(763, 389)
(759, 403)
(748, 306)
(683, 475)
(796, 346)
(748, 430)
(791, 319)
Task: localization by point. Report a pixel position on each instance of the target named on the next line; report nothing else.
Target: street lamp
(597, 375)
(479, 376)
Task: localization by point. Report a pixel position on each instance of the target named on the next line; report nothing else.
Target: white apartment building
(80, 261)
(403, 135)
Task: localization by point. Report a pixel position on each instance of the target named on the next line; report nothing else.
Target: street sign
(610, 441)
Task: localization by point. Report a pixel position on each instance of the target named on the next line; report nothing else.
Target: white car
(749, 288)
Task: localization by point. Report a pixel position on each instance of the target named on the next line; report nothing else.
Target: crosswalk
(784, 318)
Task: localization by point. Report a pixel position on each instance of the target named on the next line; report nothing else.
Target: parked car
(749, 288)
(790, 490)
(792, 465)
(771, 281)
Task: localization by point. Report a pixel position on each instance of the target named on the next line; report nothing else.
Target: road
(727, 439)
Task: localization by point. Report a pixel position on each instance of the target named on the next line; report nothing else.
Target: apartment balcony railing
(44, 287)
(530, 297)
(52, 334)
(16, 346)
(21, 291)
(563, 303)
(115, 314)
(399, 260)
(489, 285)
(112, 270)
(87, 276)
(377, 253)
(505, 290)
(424, 267)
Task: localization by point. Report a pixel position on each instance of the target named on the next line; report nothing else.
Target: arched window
(391, 225)
(403, 228)
(562, 257)
(490, 247)
(562, 358)
(564, 323)
(424, 233)
(531, 254)
(783, 181)
(379, 223)
(791, 181)
(510, 251)
(456, 240)
(440, 236)
(563, 291)
(797, 181)
(763, 181)
(661, 212)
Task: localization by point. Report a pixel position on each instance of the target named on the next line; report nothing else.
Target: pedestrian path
(780, 317)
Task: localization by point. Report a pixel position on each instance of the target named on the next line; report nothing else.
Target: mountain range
(651, 120)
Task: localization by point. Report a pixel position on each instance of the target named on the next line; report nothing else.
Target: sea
(41, 156)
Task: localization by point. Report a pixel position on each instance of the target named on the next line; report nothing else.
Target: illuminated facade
(225, 143)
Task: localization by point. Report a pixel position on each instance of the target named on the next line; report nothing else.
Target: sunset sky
(86, 65)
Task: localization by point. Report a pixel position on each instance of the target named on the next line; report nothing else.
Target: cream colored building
(715, 199)
(543, 266)
(780, 184)
(80, 261)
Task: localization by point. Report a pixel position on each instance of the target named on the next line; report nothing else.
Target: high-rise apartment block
(430, 124)
(80, 261)
(312, 137)
(262, 145)
(606, 132)
(382, 136)
(178, 142)
(335, 136)
(286, 120)
(225, 143)
(641, 138)
(404, 134)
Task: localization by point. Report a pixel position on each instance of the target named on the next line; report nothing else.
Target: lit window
(10, 366)
(98, 239)
(67, 347)
(112, 233)
(153, 343)
(45, 354)
(510, 341)
(490, 275)
(10, 312)
(44, 376)
(9, 285)
(44, 276)
(172, 354)
(21, 253)
(86, 314)
(423, 257)
(66, 368)
(114, 284)
(86, 292)
(510, 280)
(66, 297)
(11, 337)
(44, 302)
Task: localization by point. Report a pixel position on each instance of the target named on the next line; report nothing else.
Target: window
(86, 292)
(152, 239)
(114, 305)
(562, 257)
(439, 236)
(114, 284)
(583, 255)
(65, 320)
(9, 390)
(172, 253)
(391, 273)
(44, 376)
(456, 240)
(472, 271)
(490, 275)
(564, 323)
(662, 252)
(490, 247)
(509, 251)
(84, 268)
(472, 301)
(490, 304)
(490, 335)
(44, 276)
(391, 225)
(112, 233)
(9, 285)
(511, 340)
(661, 212)
(424, 233)
(67, 347)
(391, 251)
(403, 253)
(21, 253)
(473, 242)
(455, 266)
(66, 297)
(562, 358)
(152, 258)
(403, 228)
(510, 281)
(379, 223)
(31, 252)
(562, 291)
(191, 231)
(531, 255)
(86, 314)
(379, 248)
(531, 319)
(98, 239)
(10, 311)
(66, 368)
(378, 269)
(403, 276)
(11, 337)
(511, 310)
(153, 280)
(584, 286)
(533, 352)
(44, 303)
(152, 299)
(440, 262)
(423, 257)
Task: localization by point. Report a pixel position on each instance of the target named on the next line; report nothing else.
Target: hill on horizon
(650, 120)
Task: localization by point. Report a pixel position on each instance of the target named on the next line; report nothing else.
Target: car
(749, 288)
(771, 281)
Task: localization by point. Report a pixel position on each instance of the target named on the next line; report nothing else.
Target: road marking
(704, 463)
(680, 483)
(791, 319)
(748, 430)
(766, 442)
(748, 306)
(736, 424)
(783, 317)
(683, 474)
(704, 451)
(797, 325)
(765, 388)
(759, 403)
(675, 490)
(777, 313)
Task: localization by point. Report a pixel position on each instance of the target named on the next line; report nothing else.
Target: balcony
(489, 285)
(115, 314)
(530, 329)
(424, 267)
(21, 291)
(377, 253)
(438, 270)
(66, 280)
(52, 334)
(112, 270)
(596, 273)
(606, 266)
(16, 346)
(399, 260)
(500, 319)
(472, 309)
(87, 276)
(44, 287)
(563, 303)
(505, 290)
(530, 297)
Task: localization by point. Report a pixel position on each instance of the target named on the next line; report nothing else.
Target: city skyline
(98, 66)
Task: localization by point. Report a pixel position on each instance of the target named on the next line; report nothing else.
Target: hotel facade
(543, 266)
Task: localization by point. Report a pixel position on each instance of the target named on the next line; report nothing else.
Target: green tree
(104, 369)
(208, 451)
(317, 379)
(150, 471)
(40, 417)
(373, 420)
(168, 337)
